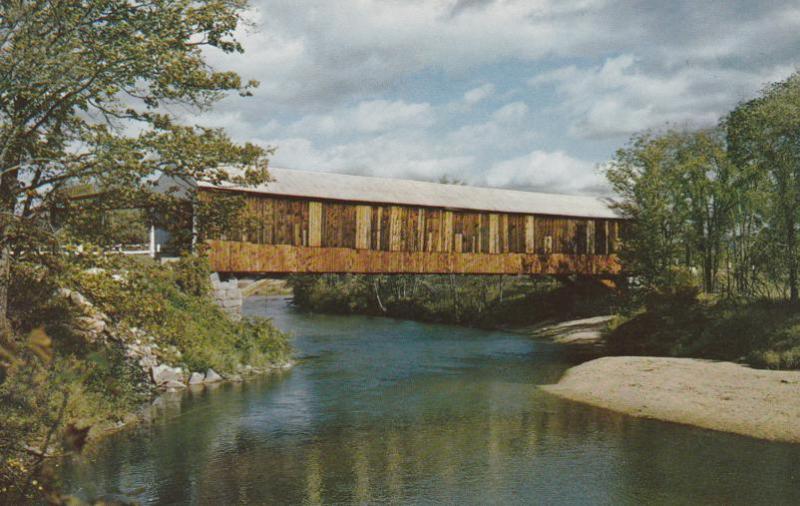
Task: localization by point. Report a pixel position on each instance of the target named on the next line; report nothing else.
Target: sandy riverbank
(714, 395)
(585, 331)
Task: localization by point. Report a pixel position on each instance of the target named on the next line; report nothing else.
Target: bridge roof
(330, 186)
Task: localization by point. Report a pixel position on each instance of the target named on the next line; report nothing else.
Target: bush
(761, 333)
(192, 275)
(171, 302)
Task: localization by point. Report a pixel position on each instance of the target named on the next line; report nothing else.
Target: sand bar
(714, 395)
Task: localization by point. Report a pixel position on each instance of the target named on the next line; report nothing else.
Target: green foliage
(52, 393)
(728, 209)
(106, 225)
(68, 62)
(192, 275)
(723, 203)
(760, 333)
(764, 138)
(171, 302)
(84, 90)
(673, 186)
(471, 300)
(223, 216)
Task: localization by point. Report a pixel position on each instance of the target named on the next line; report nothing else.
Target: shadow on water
(387, 411)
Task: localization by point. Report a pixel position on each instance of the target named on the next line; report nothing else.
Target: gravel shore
(714, 395)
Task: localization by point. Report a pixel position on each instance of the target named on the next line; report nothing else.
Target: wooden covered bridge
(311, 222)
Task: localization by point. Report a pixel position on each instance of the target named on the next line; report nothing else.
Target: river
(386, 411)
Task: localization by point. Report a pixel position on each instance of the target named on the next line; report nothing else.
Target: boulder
(173, 385)
(92, 324)
(163, 373)
(212, 377)
(76, 298)
(147, 362)
(196, 378)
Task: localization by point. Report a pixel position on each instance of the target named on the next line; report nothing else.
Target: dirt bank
(586, 331)
(714, 395)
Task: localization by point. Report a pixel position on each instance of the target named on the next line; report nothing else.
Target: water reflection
(383, 411)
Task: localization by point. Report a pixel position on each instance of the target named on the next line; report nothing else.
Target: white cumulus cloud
(620, 97)
(547, 171)
(479, 94)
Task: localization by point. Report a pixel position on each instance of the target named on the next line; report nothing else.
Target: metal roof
(331, 186)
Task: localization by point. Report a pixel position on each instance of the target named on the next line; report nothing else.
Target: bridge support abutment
(227, 294)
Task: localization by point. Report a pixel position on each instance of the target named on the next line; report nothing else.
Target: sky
(533, 94)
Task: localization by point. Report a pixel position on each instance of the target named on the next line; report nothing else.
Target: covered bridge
(312, 222)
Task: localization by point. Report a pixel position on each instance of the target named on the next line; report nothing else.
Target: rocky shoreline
(167, 389)
(156, 372)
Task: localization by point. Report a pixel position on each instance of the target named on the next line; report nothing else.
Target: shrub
(171, 302)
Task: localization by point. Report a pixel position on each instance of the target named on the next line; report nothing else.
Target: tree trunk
(5, 279)
(708, 272)
(791, 243)
(378, 295)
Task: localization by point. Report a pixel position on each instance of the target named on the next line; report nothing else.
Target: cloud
(408, 157)
(620, 97)
(309, 53)
(367, 117)
(504, 131)
(514, 112)
(377, 86)
(548, 171)
(479, 94)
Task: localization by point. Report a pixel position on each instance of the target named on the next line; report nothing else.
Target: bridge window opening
(581, 238)
(600, 237)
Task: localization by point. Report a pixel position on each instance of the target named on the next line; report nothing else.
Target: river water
(384, 411)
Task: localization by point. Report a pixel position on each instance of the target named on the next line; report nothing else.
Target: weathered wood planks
(363, 237)
(241, 257)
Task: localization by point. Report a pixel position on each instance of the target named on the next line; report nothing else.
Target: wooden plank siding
(241, 257)
(284, 235)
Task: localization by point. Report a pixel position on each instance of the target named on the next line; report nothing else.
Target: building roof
(330, 186)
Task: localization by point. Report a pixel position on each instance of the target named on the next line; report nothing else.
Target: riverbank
(714, 395)
(581, 332)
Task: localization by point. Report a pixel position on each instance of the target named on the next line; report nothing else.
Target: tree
(84, 86)
(764, 139)
(702, 176)
(675, 188)
(640, 176)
